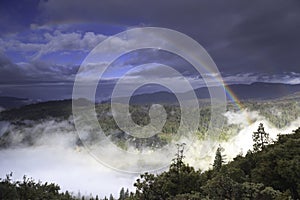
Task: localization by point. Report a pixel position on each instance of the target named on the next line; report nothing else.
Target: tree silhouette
(178, 160)
(122, 194)
(219, 159)
(260, 138)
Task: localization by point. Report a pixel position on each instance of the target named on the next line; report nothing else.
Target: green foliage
(51, 109)
(260, 138)
(279, 112)
(188, 196)
(259, 191)
(180, 179)
(123, 194)
(219, 159)
(111, 197)
(269, 172)
(222, 187)
(272, 173)
(29, 189)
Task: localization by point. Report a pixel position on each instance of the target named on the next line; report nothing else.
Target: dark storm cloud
(258, 37)
(17, 15)
(35, 72)
(269, 37)
(241, 36)
(145, 56)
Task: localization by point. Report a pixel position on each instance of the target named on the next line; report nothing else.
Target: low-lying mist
(53, 156)
(50, 150)
(240, 142)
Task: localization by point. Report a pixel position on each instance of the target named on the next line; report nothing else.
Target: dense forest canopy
(280, 113)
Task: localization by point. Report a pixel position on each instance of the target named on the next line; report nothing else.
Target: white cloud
(245, 78)
(294, 81)
(248, 78)
(59, 41)
(53, 42)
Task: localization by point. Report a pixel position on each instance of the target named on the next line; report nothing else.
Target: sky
(43, 43)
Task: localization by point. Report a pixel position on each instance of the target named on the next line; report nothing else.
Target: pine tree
(219, 159)
(178, 161)
(111, 197)
(122, 194)
(127, 193)
(260, 138)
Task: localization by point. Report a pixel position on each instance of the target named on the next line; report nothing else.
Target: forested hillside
(270, 172)
(280, 113)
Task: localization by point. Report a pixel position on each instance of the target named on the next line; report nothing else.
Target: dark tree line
(270, 171)
(29, 189)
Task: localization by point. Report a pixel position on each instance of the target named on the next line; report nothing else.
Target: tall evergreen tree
(260, 138)
(122, 194)
(178, 161)
(127, 193)
(219, 159)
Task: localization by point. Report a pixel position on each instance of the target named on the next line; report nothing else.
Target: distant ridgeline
(254, 91)
(8, 102)
(280, 112)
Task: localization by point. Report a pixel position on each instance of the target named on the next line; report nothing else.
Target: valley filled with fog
(49, 149)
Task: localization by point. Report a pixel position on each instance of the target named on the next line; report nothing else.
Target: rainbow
(233, 97)
(229, 93)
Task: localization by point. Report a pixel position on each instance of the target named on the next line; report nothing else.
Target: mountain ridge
(253, 91)
(63, 108)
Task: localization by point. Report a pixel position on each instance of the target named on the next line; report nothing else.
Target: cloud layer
(45, 41)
